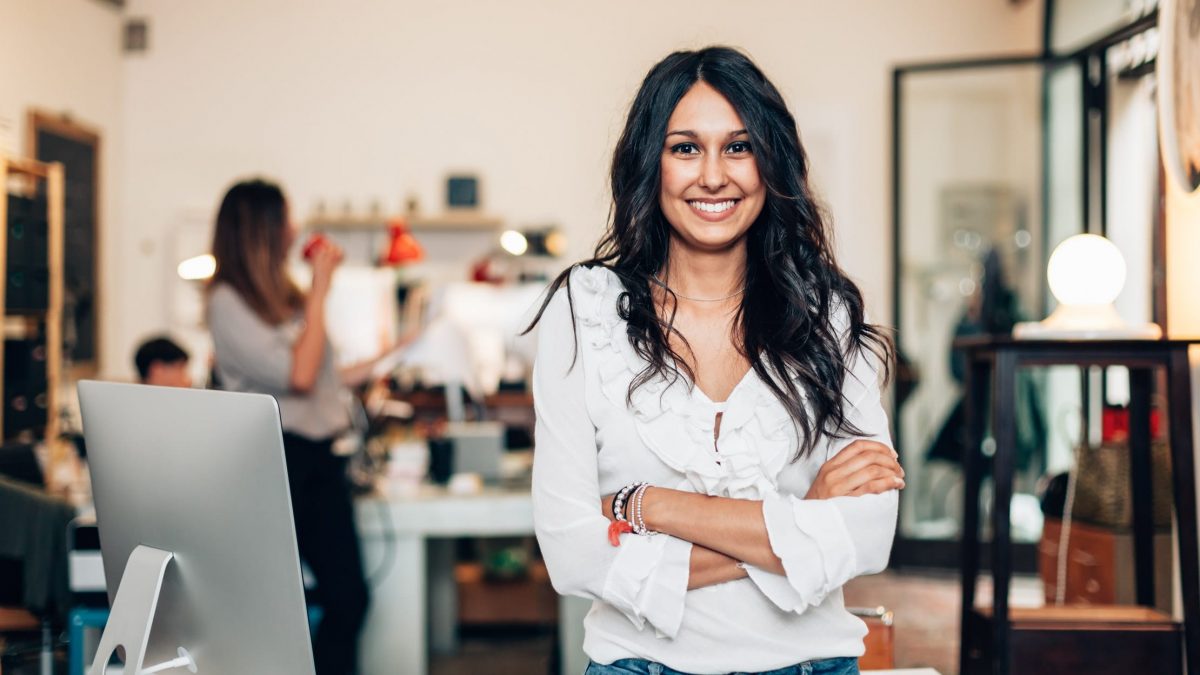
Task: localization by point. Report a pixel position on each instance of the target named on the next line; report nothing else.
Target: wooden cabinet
(1100, 565)
(32, 319)
(1079, 639)
(527, 601)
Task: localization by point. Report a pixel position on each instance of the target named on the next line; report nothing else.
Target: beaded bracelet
(620, 524)
(618, 504)
(636, 520)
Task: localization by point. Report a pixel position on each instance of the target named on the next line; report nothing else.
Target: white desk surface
(431, 511)
(903, 671)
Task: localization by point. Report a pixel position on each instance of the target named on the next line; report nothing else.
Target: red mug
(314, 242)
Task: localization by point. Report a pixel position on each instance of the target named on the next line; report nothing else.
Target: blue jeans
(839, 666)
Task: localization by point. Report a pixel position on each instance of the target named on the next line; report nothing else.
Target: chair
(20, 623)
(32, 553)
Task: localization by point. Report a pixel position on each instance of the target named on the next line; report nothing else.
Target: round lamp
(514, 242)
(198, 268)
(1086, 274)
(1086, 270)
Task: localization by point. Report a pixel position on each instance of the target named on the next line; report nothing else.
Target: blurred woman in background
(269, 337)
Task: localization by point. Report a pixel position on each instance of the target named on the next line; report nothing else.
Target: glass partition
(972, 250)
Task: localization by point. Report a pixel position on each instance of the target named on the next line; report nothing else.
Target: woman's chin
(711, 242)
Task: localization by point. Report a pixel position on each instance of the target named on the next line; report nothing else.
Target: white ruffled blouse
(591, 442)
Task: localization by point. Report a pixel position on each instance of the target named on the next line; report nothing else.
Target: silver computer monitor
(201, 475)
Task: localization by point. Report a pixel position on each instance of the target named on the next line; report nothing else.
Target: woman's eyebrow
(691, 134)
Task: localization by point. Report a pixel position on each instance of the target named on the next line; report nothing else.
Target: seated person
(162, 362)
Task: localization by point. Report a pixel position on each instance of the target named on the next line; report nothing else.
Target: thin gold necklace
(685, 297)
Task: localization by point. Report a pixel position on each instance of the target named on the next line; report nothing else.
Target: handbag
(1103, 493)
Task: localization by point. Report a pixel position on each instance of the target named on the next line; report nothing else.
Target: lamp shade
(1086, 273)
(403, 247)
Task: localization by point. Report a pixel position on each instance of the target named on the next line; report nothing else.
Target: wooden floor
(512, 654)
(926, 607)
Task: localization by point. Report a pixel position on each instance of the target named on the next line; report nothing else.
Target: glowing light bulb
(1086, 269)
(1086, 273)
(514, 242)
(197, 268)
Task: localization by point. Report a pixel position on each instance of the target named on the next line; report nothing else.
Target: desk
(408, 539)
(994, 361)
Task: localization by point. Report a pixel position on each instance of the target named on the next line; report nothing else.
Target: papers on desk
(360, 312)
(472, 335)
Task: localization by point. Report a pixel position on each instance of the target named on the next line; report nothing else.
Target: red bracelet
(615, 529)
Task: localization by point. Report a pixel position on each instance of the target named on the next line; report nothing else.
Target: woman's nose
(712, 173)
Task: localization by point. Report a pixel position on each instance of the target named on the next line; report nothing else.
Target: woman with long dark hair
(269, 337)
(713, 460)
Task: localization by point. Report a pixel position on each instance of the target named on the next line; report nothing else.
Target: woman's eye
(685, 149)
(738, 147)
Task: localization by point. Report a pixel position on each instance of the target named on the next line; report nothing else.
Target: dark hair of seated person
(157, 350)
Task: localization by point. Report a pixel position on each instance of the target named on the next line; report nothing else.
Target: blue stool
(82, 618)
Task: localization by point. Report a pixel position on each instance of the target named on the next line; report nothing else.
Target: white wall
(367, 99)
(64, 56)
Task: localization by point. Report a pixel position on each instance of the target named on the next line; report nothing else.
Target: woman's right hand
(324, 260)
(863, 467)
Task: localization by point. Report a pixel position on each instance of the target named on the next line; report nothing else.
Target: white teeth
(713, 208)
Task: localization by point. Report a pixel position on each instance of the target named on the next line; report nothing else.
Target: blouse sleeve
(645, 578)
(245, 344)
(823, 543)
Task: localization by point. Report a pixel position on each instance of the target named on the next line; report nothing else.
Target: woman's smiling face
(711, 191)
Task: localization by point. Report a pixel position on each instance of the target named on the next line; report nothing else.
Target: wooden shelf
(530, 600)
(23, 325)
(451, 221)
(27, 167)
(1087, 615)
(1078, 639)
(456, 220)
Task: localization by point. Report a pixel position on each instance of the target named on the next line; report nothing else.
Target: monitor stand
(132, 614)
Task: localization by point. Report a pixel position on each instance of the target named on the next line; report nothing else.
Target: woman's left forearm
(734, 527)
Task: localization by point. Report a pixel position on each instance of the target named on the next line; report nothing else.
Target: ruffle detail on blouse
(631, 572)
(746, 465)
(797, 530)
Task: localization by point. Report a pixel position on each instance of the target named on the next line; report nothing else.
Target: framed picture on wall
(58, 138)
(1179, 91)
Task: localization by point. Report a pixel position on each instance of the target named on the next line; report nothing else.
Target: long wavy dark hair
(793, 284)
